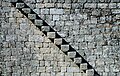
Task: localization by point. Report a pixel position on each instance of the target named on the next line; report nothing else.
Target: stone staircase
(85, 67)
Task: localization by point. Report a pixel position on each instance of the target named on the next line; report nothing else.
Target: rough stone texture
(26, 51)
(91, 26)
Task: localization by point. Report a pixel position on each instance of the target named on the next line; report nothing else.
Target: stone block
(49, 5)
(56, 11)
(90, 5)
(73, 69)
(34, 63)
(45, 28)
(65, 48)
(116, 11)
(38, 22)
(55, 17)
(45, 11)
(102, 5)
(58, 41)
(90, 72)
(41, 69)
(72, 54)
(51, 34)
(32, 16)
(112, 5)
(83, 66)
(68, 74)
(20, 5)
(36, 38)
(26, 10)
(78, 60)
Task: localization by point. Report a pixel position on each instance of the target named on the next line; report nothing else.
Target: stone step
(38, 22)
(83, 66)
(20, 5)
(90, 72)
(65, 48)
(45, 28)
(26, 10)
(72, 54)
(58, 41)
(78, 60)
(51, 35)
(32, 16)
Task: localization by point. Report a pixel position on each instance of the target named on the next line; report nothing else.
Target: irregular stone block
(26, 10)
(102, 5)
(58, 41)
(45, 28)
(38, 22)
(64, 48)
(112, 5)
(32, 16)
(116, 11)
(90, 72)
(72, 54)
(51, 34)
(90, 5)
(13, 0)
(78, 60)
(45, 11)
(20, 5)
(56, 11)
(83, 66)
(73, 69)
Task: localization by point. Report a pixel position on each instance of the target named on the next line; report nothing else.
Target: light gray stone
(26, 10)
(32, 16)
(83, 66)
(72, 54)
(20, 5)
(45, 28)
(78, 60)
(58, 41)
(90, 72)
(73, 69)
(51, 34)
(38, 22)
(90, 5)
(64, 48)
(56, 11)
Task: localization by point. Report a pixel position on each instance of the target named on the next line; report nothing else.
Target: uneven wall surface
(92, 27)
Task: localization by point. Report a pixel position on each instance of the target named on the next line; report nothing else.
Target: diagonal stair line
(55, 38)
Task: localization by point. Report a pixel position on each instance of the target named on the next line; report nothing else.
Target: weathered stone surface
(64, 48)
(45, 28)
(72, 54)
(56, 11)
(32, 16)
(51, 34)
(77, 60)
(38, 22)
(20, 5)
(58, 41)
(26, 10)
(90, 72)
(83, 66)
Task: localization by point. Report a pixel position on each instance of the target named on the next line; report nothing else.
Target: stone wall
(92, 27)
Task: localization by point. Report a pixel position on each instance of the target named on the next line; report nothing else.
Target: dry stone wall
(92, 27)
(26, 51)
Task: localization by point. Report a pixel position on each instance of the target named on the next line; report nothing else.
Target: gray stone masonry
(92, 27)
